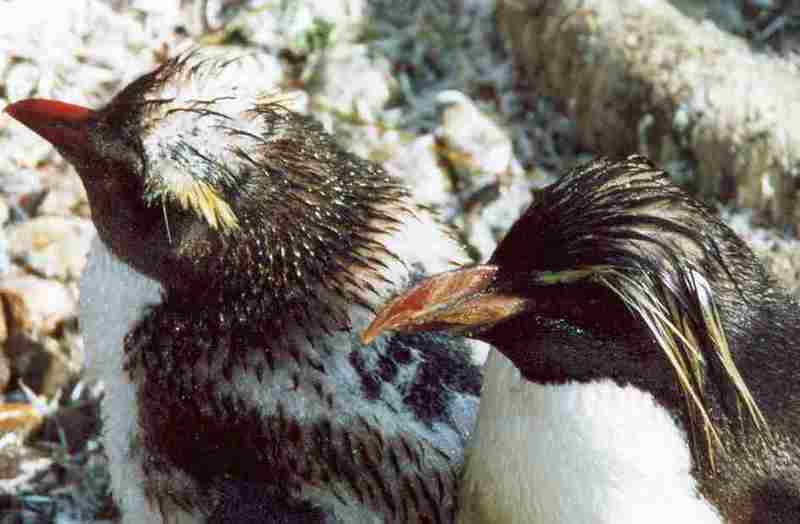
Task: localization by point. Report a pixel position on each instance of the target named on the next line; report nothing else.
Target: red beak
(457, 301)
(64, 125)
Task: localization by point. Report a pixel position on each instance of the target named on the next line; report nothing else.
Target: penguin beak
(66, 126)
(463, 301)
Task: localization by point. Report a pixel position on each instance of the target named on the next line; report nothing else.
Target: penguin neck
(294, 270)
(763, 327)
(574, 343)
(570, 340)
(283, 256)
(567, 446)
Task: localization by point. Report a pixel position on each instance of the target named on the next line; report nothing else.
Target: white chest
(113, 298)
(576, 453)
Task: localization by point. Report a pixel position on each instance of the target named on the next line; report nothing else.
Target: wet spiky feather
(290, 211)
(308, 246)
(626, 227)
(641, 237)
(239, 246)
(646, 365)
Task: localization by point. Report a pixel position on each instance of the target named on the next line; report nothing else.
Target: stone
(303, 26)
(75, 423)
(41, 363)
(52, 246)
(417, 163)
(21, 418)
(38, 310)
(491, 211)
(5, 369)
(19, 464)
(64, 195)
(354, 82)
(36, 305)
(5, 212)
(470, 138)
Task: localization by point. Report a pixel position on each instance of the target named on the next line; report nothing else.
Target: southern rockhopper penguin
(647, 367)
(240, 252)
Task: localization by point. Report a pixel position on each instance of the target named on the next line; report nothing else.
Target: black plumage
(616, 273)
(249, 398)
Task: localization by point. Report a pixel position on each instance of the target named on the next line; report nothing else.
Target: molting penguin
(647, 367)
(240, 252)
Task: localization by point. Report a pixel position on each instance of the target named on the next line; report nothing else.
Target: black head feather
(623, 269)
(624, 214)
(615, 273)
(217, 189)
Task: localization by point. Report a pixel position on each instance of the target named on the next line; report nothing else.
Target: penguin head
(612, 273)
(199, 179)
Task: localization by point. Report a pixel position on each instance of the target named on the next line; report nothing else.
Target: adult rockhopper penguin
(647, 367)
(240, 252)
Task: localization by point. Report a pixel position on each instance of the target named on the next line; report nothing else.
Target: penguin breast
(576, 452)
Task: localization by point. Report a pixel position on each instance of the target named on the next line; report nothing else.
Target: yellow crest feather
(199, 197)
(207, 203)
(675, 334)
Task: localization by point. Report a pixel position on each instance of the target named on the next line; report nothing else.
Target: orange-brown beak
(459, 301)
(64, 125)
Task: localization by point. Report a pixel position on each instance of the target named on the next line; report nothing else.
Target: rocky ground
(424, 87)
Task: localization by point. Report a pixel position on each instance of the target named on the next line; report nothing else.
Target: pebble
(19, 464)
(5, 212)
(77, 423)
(64, 196)
(298, 25)
(471, 139)
(354, 82)
(21, 418)
(17, 173)
(51, 246)
(417, 163)
(5, 368)
(42, 363)
(36, 305)
(486, 222)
